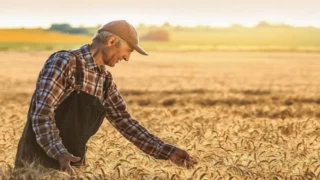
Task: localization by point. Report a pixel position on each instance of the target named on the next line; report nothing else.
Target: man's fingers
(74, 158)
(182, 158)
(190, 165)
(194, 160)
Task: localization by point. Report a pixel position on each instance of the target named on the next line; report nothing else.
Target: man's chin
(110, 65)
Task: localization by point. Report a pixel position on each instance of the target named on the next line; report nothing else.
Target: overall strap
(78, 74)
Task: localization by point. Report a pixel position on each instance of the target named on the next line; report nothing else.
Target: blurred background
(216, 25)
(234, 83)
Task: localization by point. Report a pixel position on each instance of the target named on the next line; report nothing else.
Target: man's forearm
(121, 119)
(142, 138)
(47, 135)
(50, 88)
(166, 151)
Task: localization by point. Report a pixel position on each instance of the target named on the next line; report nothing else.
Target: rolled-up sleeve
(121, 119)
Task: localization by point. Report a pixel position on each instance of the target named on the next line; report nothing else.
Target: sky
(42, 13)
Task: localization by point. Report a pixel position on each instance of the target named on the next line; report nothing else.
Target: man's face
(116, 52)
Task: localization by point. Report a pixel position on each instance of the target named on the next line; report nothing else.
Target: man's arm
(50, 88)
(130, 128)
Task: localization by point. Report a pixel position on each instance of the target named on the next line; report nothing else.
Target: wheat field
(242, 115)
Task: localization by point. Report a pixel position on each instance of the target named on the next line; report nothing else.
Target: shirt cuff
(166, 151)
(56, 150)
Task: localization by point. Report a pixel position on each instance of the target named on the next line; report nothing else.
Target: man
(74, 92)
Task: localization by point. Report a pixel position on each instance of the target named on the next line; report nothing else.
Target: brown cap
(126, 32)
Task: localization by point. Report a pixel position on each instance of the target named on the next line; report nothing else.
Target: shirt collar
(88, 57)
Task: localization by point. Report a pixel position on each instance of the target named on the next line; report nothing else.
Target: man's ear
(111, 41)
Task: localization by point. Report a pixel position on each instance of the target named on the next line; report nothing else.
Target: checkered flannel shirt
(55, 83)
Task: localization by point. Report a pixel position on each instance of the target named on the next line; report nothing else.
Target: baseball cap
(126, 32)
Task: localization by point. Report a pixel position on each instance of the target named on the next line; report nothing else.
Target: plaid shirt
(56, 82)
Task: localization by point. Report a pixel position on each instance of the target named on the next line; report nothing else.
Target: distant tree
(67, 28)
(60, 27)
(263, 24)
(78, 31)
(166, 25)
(156, 35)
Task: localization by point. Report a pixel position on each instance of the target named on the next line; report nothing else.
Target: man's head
(115, 41)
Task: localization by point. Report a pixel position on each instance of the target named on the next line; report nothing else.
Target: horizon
(214, 13)
(171, 24)
(161, 24)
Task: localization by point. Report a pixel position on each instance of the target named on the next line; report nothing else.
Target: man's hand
(182, 158)
(64, 161)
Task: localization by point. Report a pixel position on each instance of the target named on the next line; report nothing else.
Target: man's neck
(96, 54)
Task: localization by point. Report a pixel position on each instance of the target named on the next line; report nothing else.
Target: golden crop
(242, 115)
(39, 36)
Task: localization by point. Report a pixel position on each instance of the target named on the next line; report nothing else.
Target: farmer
(74, 92)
